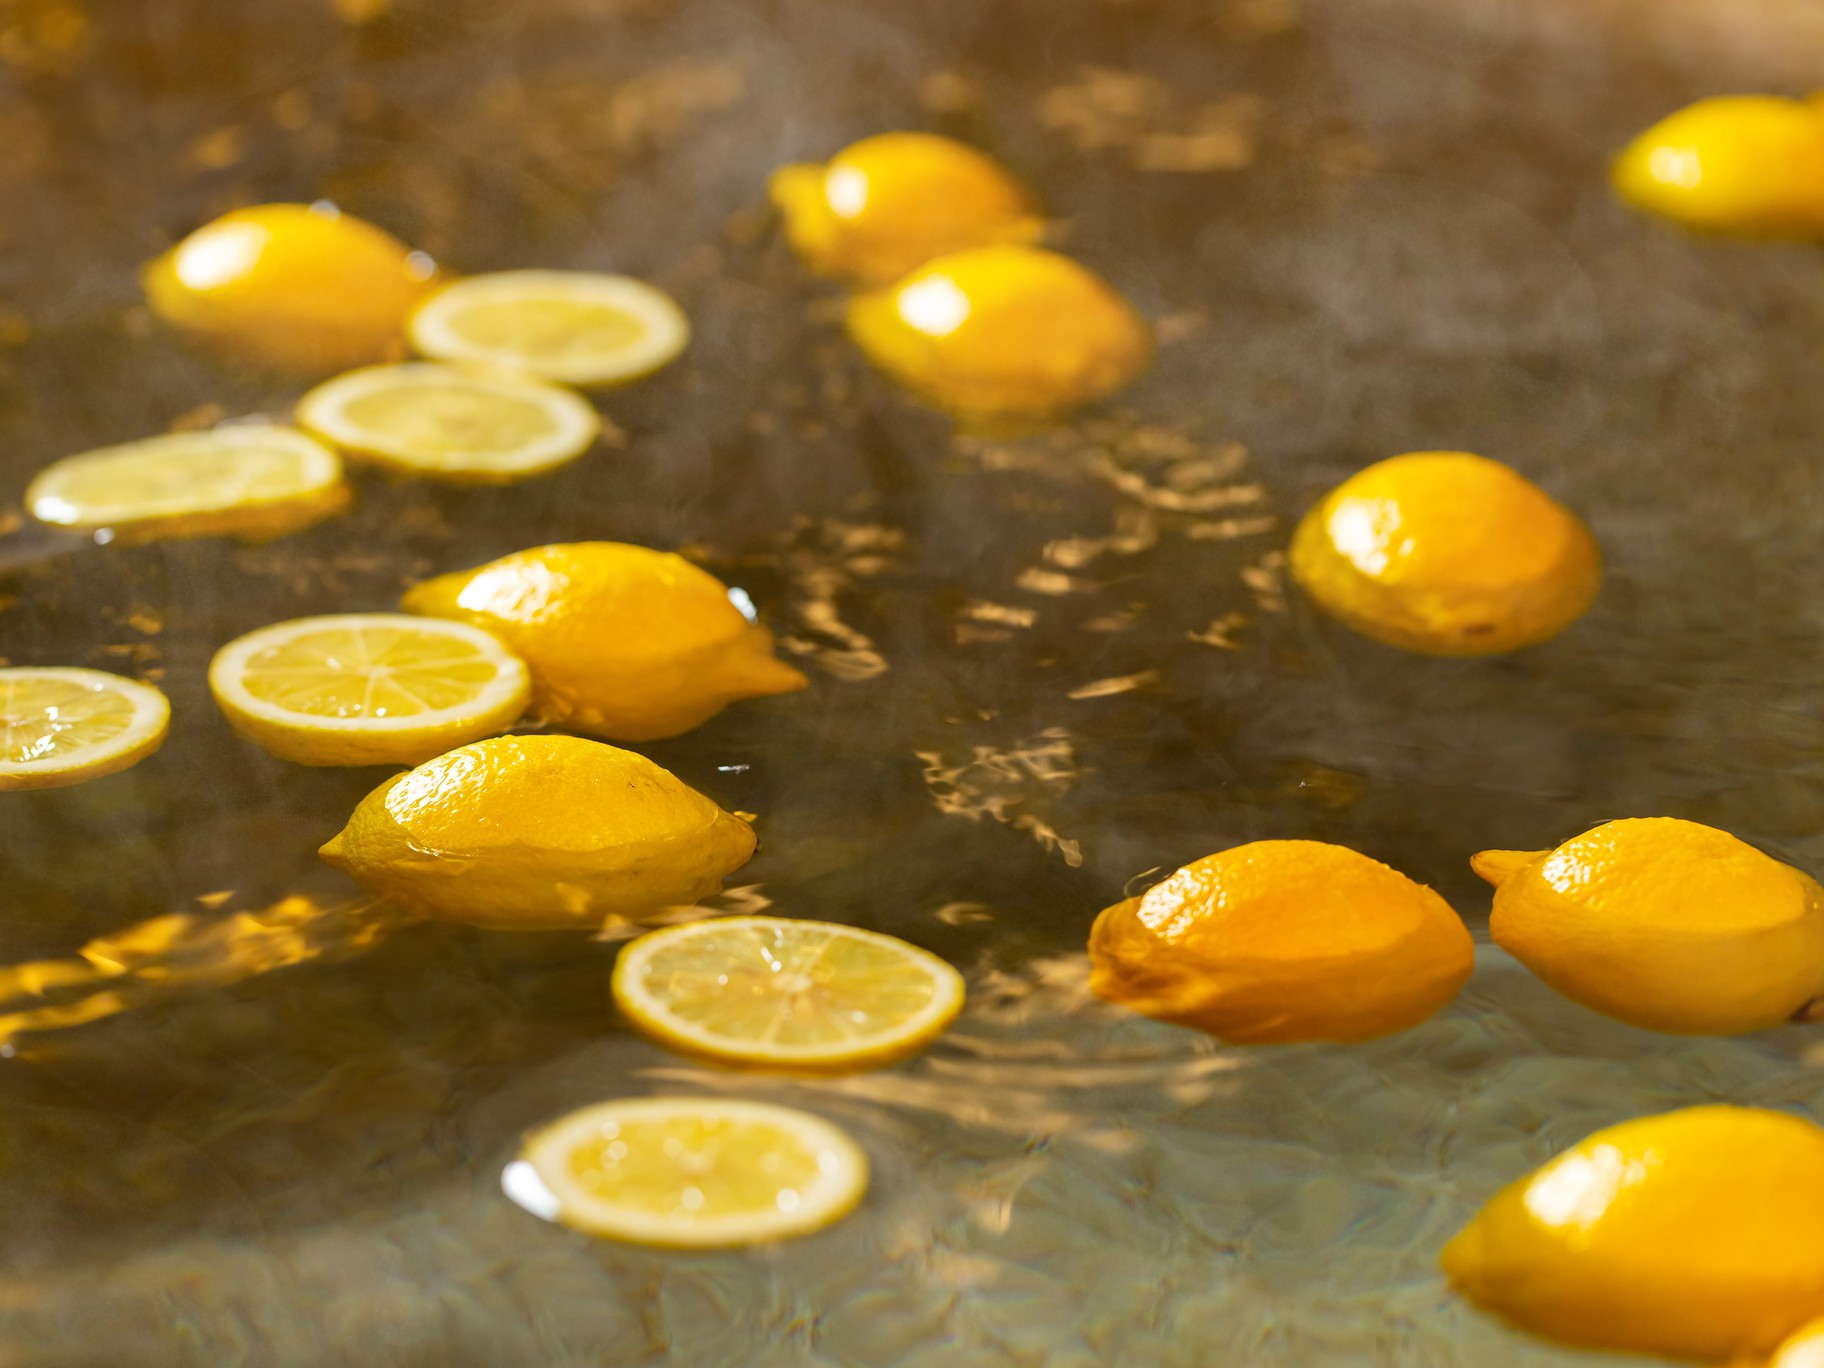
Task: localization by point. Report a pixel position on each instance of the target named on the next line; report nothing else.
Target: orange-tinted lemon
(1693, 1234)
(1014, 331)
(1664, 923)
(1448, 554)
(1751, 165)
(1281, 941)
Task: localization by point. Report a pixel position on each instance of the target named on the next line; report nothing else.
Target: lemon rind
(144, 734)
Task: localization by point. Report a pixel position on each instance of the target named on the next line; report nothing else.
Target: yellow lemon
(1003, 331)
(1804, 1348)
(1693, 1234)
(530, 832)
(889, 203)
(1745, 164)
(299, 288)
(1448, 554)
(624, 642)
(1663, 923)
(1282, 941)
(62, 726)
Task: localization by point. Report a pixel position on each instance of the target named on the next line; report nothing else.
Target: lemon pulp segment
(61, 726)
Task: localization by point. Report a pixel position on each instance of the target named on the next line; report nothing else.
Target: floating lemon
(64, 726)
(1280, 941)
(1664, 923)
(623, 642)
(300, 288)
(531, 832)
(690, 1172)
(785, 994)
(1446, 553)
(1003, 331)
(462, 424)
(890, 203)
(368, 688)
(1693, 1234)
(1804, 1348)
(251, 480)
(571, 327)
(1746, 164)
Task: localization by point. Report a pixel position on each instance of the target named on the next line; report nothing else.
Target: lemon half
(368, 688)
(573, 327)
(779, 993)
(458, 423)
(63, 726)
(691, 1172)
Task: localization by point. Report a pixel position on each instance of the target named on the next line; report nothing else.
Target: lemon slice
(573, 327)
(368, 688)
(253, 480)
(65, 726)
(689, 1172)
(451, 422)
(778, 993)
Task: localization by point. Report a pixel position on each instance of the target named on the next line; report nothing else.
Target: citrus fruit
(62, 726)
(1446, 553)
(1693, 1234)
(1002, 331)
(571, 327)
(1663, 923)
(464, 424)
(778, 993)
(624, 642)
(1804, 1348)
(1280, 941)
(367, 688)
(248, 480)
(530, 832)
(299, 288)
(889, 203)
(695, 1172)
(1751, 165)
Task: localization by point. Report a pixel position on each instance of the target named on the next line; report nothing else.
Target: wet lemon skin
(1282, 941)
(290, 287)
(1693, 1234)
(538, 832)
(1003, 331)
(1663, 923)
(1750, 165)
(891, 202)
(1446, 553)
(622, 641)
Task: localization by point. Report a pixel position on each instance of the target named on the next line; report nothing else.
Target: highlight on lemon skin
(539, 833)
(1447, 553)
(304, 289)
(889, 203)
(1281, 941)
(1665, 924)
(623, 641)
(1804, 1348)
(1749, 165)
(1008, 331)
(1693, 1235)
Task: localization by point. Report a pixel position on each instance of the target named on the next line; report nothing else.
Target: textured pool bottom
(1058, 1183)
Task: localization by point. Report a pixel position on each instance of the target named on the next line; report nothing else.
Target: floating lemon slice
(778, 993)
(689, 1172)
(65, 726)
(569, 326)
(451, 422)
(252, 480)
(368, 688)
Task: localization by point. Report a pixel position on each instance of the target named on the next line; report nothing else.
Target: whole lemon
(535, 832)
(1663, 923)
(299, 288)
(1693, 1234)
(1745, 164)
(622, 641)
(1281, 941)
(1003, 331)
(889, 203)
(1446, 553)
